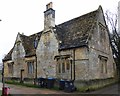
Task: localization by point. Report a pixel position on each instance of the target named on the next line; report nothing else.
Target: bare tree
(114, 38)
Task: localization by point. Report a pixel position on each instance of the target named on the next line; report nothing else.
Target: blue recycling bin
(61, 84)
(50, 82)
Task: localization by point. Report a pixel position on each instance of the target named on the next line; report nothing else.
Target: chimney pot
(49, 5)
(49, 17)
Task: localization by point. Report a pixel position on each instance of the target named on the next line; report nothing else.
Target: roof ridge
(72, 33)
(78, 17)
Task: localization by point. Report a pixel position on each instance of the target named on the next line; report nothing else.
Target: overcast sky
(26, 16)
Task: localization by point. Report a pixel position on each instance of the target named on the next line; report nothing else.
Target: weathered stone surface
(46, 51)
(81, 43)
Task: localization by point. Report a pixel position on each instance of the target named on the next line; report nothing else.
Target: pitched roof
(74, 33)
(71, 34)
(28, 43)
(8, 56)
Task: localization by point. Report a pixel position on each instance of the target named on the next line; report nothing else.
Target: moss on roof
(74, 33)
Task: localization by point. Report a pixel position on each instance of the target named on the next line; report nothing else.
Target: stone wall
(6, 73)
(28, 59)
(46, 51)
(80, 59)
(99, 48)
(89, 85)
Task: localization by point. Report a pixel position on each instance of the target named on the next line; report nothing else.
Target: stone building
(77, 49)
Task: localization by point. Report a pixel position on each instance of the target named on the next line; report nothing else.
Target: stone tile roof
(74, 33)
(28, 44)
(71, 34)
(8, 56)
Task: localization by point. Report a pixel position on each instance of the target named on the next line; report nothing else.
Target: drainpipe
(35, 46)
(71, 67)
(36, 68)
(74, 63)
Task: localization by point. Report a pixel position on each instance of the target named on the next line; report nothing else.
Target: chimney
(49, 17)
(49, 5)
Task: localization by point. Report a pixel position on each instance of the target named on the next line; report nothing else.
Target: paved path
(27, 90)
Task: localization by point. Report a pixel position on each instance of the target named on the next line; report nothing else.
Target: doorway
(21, 76)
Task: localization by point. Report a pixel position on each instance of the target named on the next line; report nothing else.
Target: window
(103, 64)
(30, 67)
(67, 64)
(63, 65)
(59, 66)
(10, 68)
